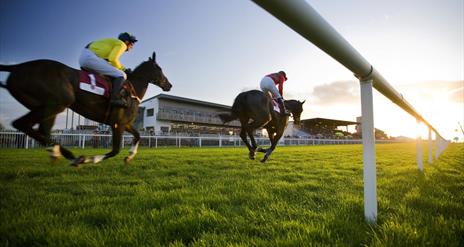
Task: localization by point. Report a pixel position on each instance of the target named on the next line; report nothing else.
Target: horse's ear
(303, 102)
(153, 57)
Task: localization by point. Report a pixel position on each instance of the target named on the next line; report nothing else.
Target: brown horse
(256, 106)
(47, 87)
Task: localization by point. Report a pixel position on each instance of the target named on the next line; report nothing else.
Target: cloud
(457, 95)
(452, 90)
(337, 92)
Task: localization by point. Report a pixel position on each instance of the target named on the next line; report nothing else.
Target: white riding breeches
(268, 86)
(88, 59)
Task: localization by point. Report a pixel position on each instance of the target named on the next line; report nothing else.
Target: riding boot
(116, 99)
(283, 110)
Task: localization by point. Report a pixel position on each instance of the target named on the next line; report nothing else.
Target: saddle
(99, 84)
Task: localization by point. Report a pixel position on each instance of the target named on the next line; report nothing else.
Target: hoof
(80, 160)
(264, 159)
(97, 159)
(251, 156)
(54, 153)
(127, 161)
(262, 150)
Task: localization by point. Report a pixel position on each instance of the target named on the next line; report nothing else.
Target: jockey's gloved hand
(128, 71)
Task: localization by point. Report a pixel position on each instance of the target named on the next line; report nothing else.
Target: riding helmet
(283, 73)
(127, 37)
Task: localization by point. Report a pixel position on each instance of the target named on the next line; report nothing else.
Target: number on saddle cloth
(93, 82)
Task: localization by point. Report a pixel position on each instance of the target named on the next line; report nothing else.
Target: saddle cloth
(275, 105)
(94, 83)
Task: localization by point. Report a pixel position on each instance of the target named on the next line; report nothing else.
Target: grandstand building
(323, 128)
(327, 128)
(165, 113)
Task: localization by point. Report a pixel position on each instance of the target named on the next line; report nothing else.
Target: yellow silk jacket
(109, 49)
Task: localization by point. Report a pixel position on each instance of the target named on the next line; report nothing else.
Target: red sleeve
(281, 88)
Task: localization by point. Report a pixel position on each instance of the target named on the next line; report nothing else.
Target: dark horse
(258, 107)
(48, 87)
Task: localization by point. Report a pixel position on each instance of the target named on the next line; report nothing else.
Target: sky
(212, 50)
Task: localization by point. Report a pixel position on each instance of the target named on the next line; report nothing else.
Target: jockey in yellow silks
(103, 55)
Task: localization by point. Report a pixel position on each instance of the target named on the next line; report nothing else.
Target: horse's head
(296, 108)
(150, 71)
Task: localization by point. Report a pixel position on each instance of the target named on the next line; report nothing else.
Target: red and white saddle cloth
(275, 105)
(94, 83)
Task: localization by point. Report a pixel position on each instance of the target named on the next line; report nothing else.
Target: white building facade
(165, 113)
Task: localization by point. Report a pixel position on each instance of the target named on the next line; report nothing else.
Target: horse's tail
(227, 117)
(7, 68)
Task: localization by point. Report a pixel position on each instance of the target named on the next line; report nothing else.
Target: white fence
(20, 140)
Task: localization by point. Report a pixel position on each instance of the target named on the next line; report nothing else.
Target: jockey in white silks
(268, 86)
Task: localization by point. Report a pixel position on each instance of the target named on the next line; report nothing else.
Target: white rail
(302, 18)
(20, 140)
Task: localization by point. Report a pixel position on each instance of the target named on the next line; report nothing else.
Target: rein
(132, 92)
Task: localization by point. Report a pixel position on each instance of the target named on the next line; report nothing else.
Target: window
(150, 112)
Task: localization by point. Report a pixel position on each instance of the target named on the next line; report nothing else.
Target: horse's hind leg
(117, 136)
(255, 125)
(56, 150)
(25, 124)
(45, 117)
(243, 135)
(135, 143)
(253, 143)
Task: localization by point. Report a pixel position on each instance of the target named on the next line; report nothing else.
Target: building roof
(187, 100)
(326, 121)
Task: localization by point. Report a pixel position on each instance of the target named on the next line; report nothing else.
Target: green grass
(303, 196)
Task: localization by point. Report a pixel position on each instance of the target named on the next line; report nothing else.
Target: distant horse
(47, 87)
(254, 105)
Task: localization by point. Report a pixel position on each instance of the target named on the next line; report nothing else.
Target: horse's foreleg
(135, 143)
(117, 134)
(271, 135)
(274, 140)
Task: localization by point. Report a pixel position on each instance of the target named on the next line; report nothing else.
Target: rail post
(430, 160)
(420, 165)
(368, 140)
